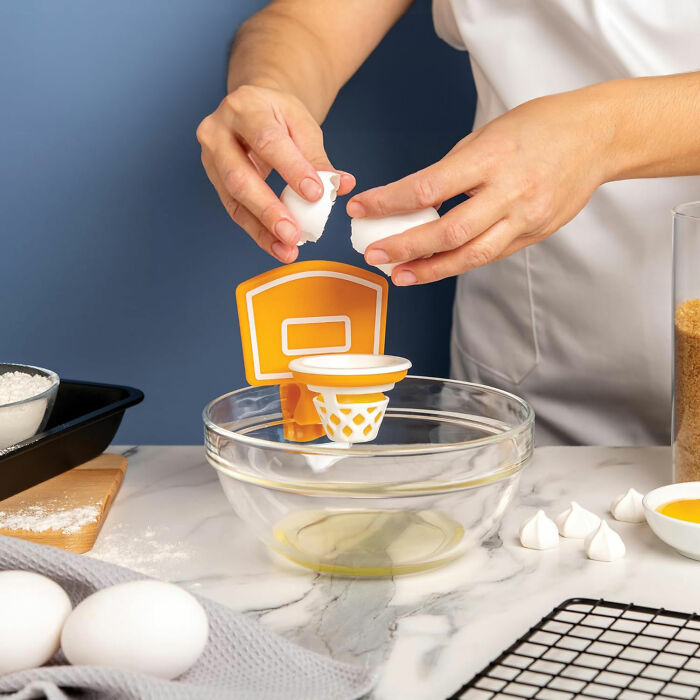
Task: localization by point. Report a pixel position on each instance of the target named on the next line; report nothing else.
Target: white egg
(148, 626)
(311, 217)
(33, 609)
(364, 232)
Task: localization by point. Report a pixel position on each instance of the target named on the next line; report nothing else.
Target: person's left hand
(527, 173)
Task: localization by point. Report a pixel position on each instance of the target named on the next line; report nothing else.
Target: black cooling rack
(596, 649)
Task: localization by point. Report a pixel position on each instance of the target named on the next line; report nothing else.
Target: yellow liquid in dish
(368, 542)
(688, 509)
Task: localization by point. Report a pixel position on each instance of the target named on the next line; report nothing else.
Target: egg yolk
(688, 509)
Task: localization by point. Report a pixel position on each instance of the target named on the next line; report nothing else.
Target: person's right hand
(255, 130)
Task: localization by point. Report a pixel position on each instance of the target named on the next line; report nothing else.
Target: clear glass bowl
(435, 482)
(21, 420)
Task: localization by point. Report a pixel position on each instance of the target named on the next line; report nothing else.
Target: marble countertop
(426, 633)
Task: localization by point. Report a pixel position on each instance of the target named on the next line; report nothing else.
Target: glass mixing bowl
(435, 482)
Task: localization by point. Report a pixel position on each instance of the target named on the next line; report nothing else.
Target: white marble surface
(427, 633)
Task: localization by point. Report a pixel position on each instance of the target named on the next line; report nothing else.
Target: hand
(254, 130)
(527, 173)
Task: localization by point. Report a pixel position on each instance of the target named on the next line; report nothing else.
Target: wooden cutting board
(67, 511)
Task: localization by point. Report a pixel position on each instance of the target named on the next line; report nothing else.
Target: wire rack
(596, 649)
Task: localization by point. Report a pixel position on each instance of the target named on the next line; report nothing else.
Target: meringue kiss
(628, 507)
(576, 522)
(604, 544)
(539, 532)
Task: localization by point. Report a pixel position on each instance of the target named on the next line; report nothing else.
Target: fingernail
(311, 189)
(377, 256)
(355, 209)
(280, 251)
(405, 278)
(287, 231)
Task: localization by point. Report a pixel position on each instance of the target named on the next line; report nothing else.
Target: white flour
(44, 517)
(145, 551)
(20, 422)
(17, 386)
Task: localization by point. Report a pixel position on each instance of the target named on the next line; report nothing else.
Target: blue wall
(117, 263)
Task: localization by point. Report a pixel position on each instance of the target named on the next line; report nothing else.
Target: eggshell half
(311, 217)
(148, 626)
(364, 232)
(33, 609)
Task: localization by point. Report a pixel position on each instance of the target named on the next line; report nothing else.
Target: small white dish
(682, 535)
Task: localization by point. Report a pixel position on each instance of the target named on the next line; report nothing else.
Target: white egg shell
(311, 217)
(33, 609)
(364, 232)
(148, 626)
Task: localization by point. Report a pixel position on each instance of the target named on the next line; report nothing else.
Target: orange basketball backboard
(308, 308)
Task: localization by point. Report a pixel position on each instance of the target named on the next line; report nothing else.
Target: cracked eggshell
(604, 544)
(539, 532)
(311, 217)
(576, 522)
(366, 231)
(628, 507)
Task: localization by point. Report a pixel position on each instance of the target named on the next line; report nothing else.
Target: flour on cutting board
(49, 516)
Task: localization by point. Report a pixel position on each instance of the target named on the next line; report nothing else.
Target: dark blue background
(117, 262)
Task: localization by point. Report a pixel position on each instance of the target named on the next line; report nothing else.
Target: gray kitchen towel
(242, 660)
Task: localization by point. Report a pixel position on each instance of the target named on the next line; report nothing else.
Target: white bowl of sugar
(27, 395)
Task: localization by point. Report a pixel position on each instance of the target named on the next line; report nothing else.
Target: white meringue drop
(628, 507)
(539, 532)
(576, 522)
(311, 217)
(366, 231)
(604, 544)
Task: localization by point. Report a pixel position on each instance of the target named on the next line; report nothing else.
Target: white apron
(579, 324)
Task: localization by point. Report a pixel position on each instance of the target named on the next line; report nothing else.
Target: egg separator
(310, 308)
(349, 391)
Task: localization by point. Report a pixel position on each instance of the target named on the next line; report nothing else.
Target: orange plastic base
(301, 420)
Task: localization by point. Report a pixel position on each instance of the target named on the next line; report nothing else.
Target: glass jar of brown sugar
(686, 316)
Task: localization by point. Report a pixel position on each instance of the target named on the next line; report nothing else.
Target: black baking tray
(83, 422)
